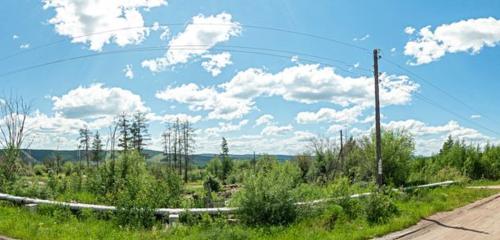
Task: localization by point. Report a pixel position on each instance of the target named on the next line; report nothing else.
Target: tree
(327, 163)
(13, 114)
(167, 145)
(214, 167)
(227, 162)
(97, 148)
(188, 143)
(124, 130)
(84, 143)
(139, 132)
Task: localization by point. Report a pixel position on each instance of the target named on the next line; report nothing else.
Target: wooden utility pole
(378, 137)
(341, 153)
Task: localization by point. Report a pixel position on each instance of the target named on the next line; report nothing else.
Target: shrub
(380, 207)
(211, 184)
(266, 197)
(39, 169)
(342, 193)
(330, 216)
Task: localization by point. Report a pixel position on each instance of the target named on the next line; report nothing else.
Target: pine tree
(84, 143)
(227, 163)
(97, 148)
(124, 130)
(139, 132)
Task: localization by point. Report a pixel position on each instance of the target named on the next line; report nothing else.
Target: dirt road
(479, 220)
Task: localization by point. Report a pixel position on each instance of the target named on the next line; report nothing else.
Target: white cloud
(129, 73)
(203, 33)
(244, 144)
(273, 130)
(100, 22)
(335, 128)
(302, 83)
(311, 83)
(475, 116)
(464, 36)
(15, 36)
(97, 101)
(24, 46)
(226, 127)
(57, 131)
(347, 115)
(393, 50)
(170, 118)
(220, 105)
(265, 119)
(362, 38)
(429, 138)
(409, 30)
(216, 62)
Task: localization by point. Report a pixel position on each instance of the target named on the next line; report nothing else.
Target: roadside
(478, 220)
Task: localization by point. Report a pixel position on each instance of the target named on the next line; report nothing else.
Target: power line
(199, 24)
(439, 89)
(179, 48)
(435, 104)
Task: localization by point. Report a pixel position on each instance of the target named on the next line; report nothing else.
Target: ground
(478, 220)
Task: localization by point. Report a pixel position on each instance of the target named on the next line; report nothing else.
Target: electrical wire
(183, 48)
(332, 40)
(457, 99)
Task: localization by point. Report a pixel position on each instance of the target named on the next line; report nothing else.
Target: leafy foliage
(267, 196)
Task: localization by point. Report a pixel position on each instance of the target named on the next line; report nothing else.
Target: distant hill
(40, 155)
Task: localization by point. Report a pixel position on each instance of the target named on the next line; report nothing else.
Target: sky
(266, 75)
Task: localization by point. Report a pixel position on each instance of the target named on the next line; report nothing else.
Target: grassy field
(19, 222)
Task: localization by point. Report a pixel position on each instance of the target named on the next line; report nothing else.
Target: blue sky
(224, 66)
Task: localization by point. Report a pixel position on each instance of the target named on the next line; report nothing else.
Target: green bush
(342, 194)
(267, 196)
(380, 207)
(330, 216)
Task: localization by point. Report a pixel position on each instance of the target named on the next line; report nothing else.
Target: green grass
(20, 223)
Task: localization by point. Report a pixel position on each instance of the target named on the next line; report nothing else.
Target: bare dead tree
(167, 145)
(14, 112)
(188, 142)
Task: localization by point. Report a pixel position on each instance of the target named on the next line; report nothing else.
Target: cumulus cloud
(54, 131)
(463, 36)
(273, 130)
(129, 73)
(220, 105)
(15, 36)
(171, 118)
(97, 101)
(100, 22)
(295, 143)
(265, 119)
(24, 46)
(335, 128)
(311, 83)
(362, 38)
(226, 127)
(475, 116)
(302, 83)
(429, 138)
(347, 115)
(216, 62)
(203, 33)
(409, 30)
